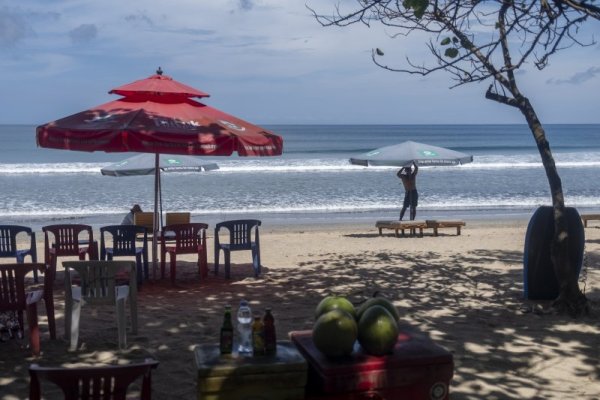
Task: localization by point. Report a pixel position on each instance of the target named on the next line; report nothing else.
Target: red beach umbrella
(158, 115)
(158, 84)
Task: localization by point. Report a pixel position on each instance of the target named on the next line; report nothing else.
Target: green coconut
(334, 303)
(379, 301)
(377, 331)
(334, 333)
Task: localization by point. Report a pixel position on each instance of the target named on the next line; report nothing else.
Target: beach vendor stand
(281, 376)
(418, 369)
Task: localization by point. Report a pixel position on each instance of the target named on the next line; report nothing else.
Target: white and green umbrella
(145, 164)
(404, 154)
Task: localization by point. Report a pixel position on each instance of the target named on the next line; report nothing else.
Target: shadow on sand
(471, 304)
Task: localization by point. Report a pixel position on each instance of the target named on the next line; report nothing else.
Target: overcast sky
(267, 61)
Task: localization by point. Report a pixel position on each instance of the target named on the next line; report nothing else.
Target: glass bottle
(270, 335)
(258, 336)
(244, 318)
(226, 338)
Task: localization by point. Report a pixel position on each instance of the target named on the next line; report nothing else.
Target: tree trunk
(570, 298)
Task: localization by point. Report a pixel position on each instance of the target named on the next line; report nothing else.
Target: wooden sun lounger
(445, 224)
(401, 226)
(589, 217)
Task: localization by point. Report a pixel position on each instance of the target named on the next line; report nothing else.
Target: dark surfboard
(539, 279)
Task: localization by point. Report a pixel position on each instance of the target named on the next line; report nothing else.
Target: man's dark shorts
(411, 198)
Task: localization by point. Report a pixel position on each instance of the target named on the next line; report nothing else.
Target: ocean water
(312, 181)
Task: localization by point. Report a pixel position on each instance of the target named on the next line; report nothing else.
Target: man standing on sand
(408, 176)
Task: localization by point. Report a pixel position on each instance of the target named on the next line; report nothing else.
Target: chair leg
(121, 323)
(53, 262)
(217, 251)
(34, 329)
(255, 262)
(138, 269)
(49, 303)
(133, 314)
(205, 260)
(227, 255)
(202, 264)
(163, 261)
(146, 269)
(173, 267)
(74, 331)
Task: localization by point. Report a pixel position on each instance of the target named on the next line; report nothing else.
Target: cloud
(13, 28)
(142, 17)
(84, 33)
(192, 31)
(577, 78)
(246, 5)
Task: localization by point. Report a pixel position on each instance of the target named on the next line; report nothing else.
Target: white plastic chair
(98, 287)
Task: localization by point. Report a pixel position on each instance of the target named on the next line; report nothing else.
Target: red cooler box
(418, 369)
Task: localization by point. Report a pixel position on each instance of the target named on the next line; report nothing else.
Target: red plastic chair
(111, 382)
(183, 239)
(64, 240)
(13, 297)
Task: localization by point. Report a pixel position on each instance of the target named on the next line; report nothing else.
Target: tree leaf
(418, 6)
(445, 42)
(451, 52)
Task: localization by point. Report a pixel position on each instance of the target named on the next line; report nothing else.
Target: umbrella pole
(155, 223)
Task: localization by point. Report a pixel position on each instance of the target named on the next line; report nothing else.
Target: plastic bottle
(226, 338)
(244, 317)
(270, 335)
(258, 337)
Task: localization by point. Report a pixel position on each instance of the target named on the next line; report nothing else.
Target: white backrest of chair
(98, 279)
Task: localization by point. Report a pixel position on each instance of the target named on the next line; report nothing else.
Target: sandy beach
(464, 291)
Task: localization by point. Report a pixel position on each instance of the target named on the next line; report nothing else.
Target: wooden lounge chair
(589, 217)
(145, 219)
(435, 225)
(401, 226)
(177, 218)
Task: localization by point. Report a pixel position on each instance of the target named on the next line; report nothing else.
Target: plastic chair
(98, 287)
(8, 245)
(13, 297)
(124, 244)
(240, 238)
(63, 240)
(110, 382)
(186, 239)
